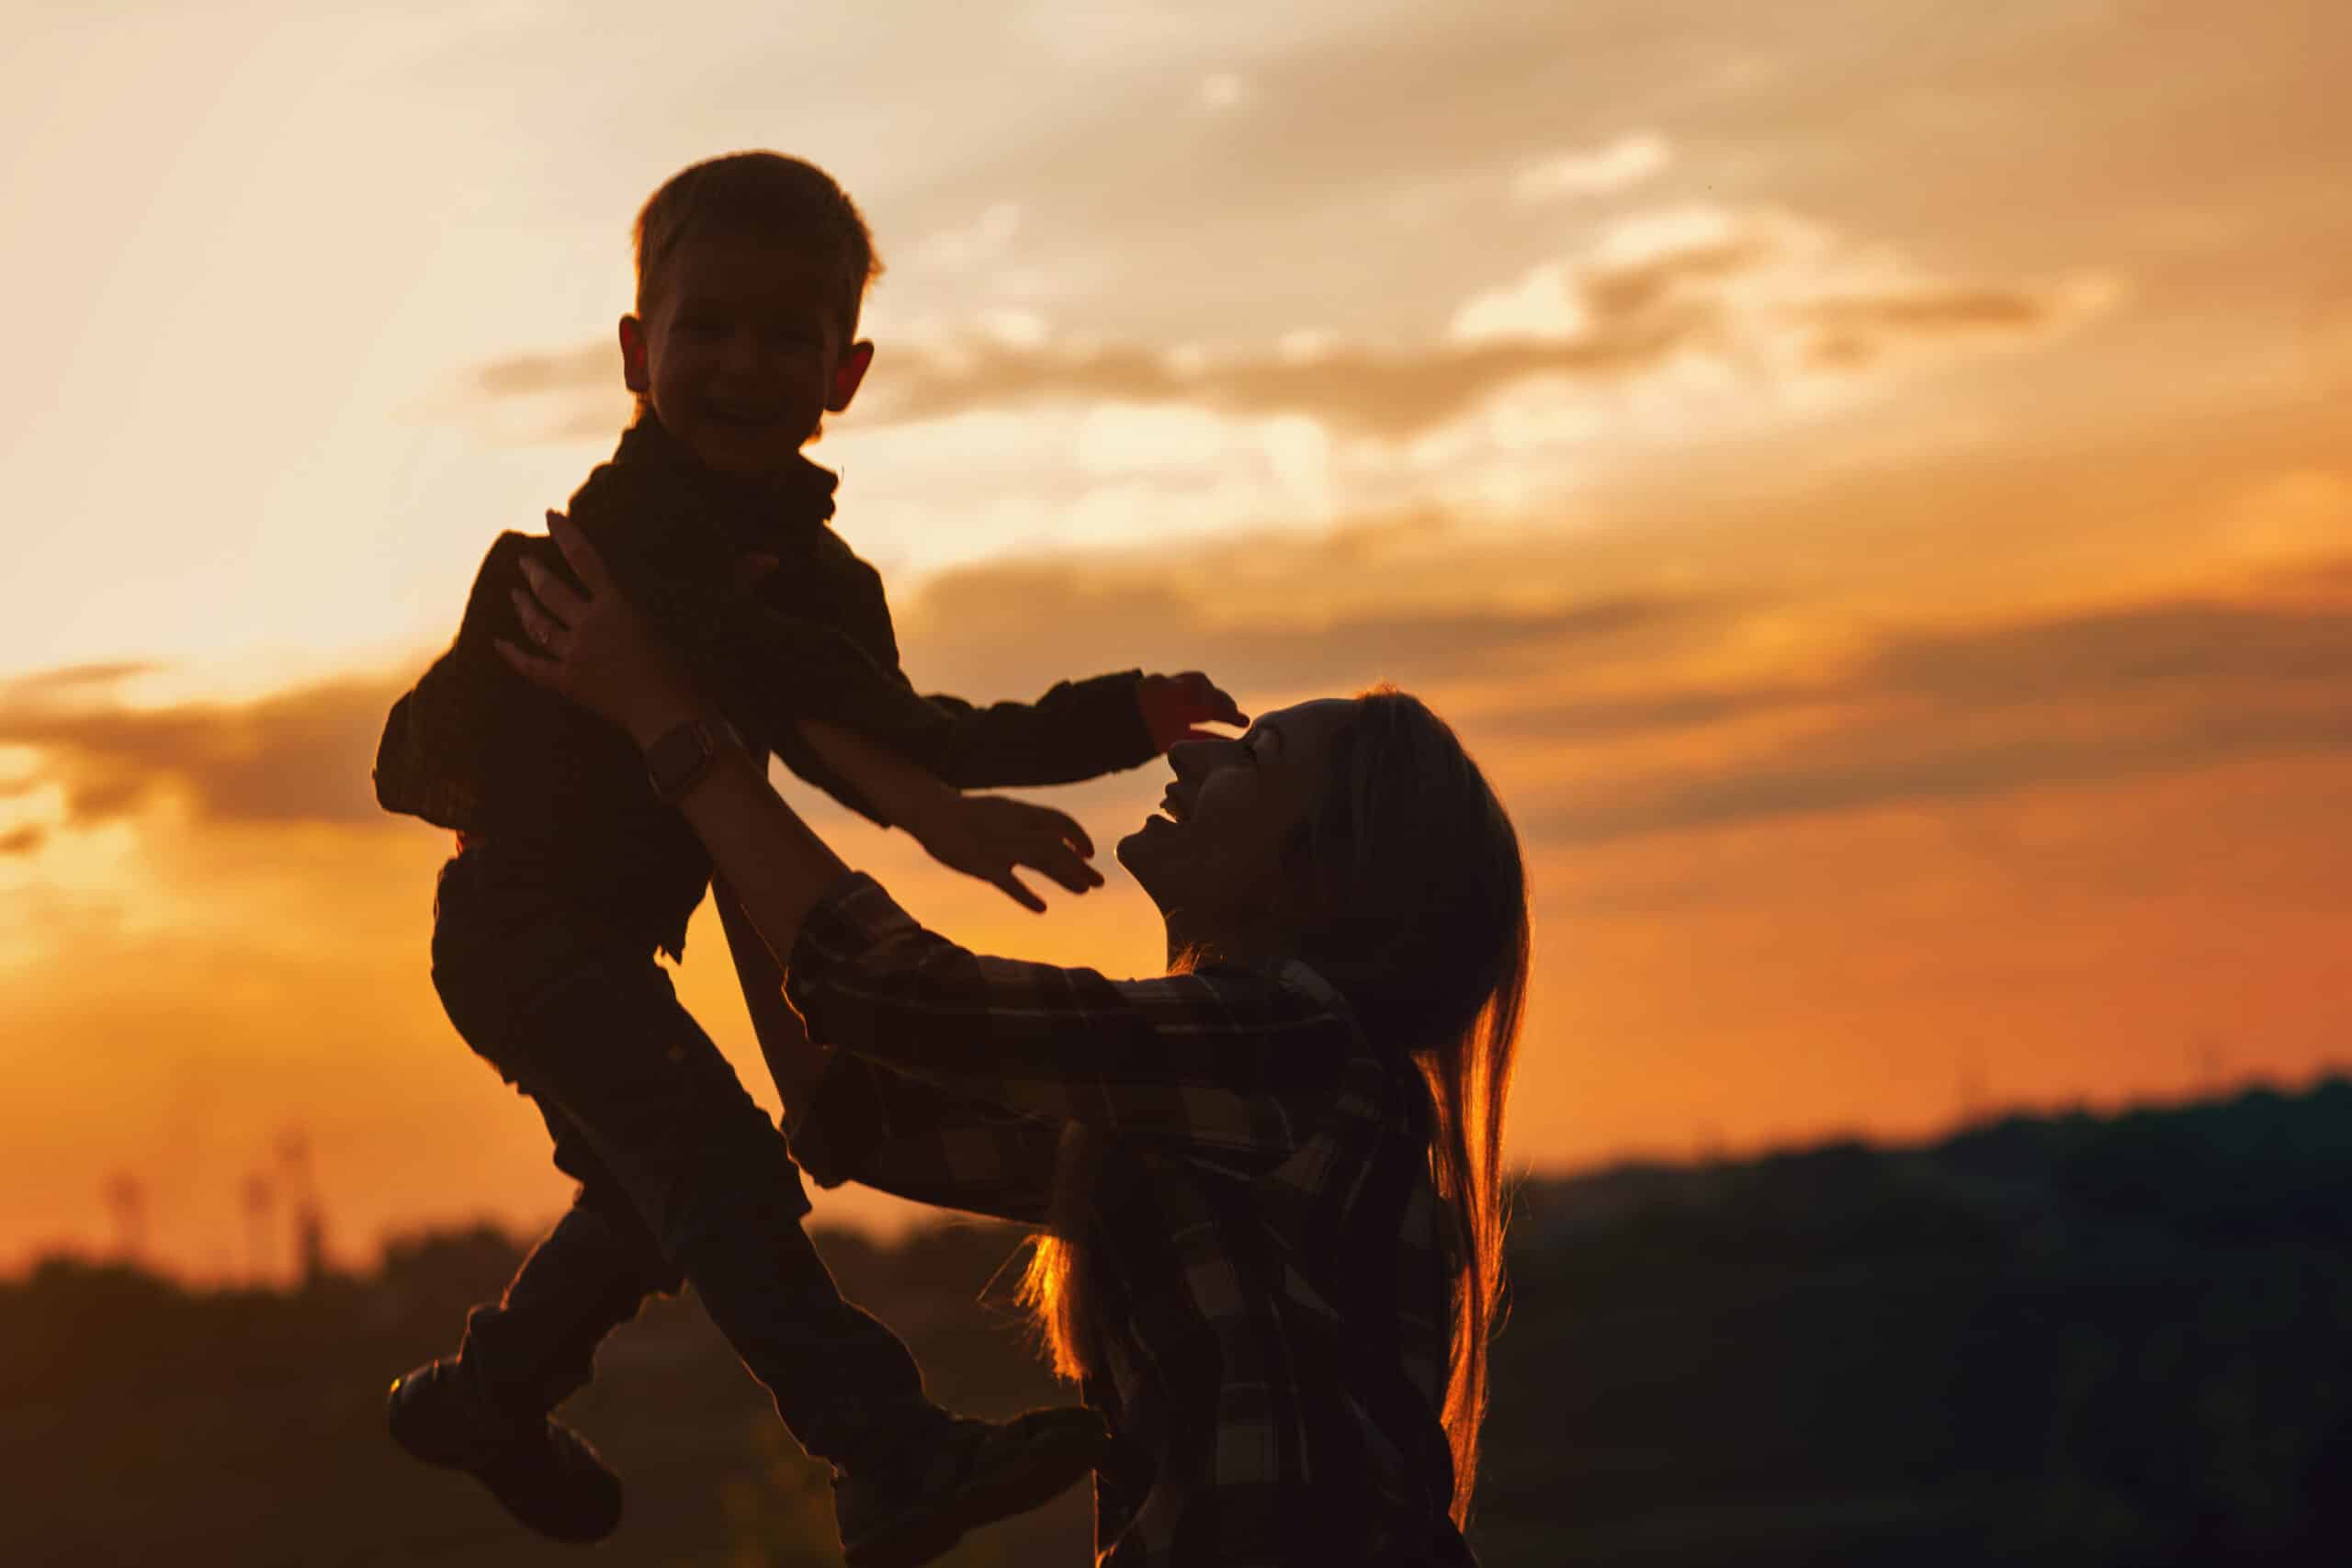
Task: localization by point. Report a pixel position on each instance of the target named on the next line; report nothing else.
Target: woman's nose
(1190, 759)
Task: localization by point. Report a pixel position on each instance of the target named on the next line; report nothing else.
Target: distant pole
(127, 1201)
(1971, 1092)
(304, 1213)
(2212, 1066)
(261, 1198)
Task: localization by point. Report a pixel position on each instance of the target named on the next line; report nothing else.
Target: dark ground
(2075, 1341)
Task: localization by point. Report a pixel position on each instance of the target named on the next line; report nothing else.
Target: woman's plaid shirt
(1267, 1274)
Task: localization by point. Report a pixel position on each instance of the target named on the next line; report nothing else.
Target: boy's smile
(741, 356)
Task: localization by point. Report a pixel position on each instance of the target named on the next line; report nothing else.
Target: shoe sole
(1052, 1466)
(501, 1482)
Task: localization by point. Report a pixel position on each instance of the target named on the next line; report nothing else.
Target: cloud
(1851, 330)
(1596, 709)
(591, 368)
(1590, 719)
(1926, 718)
(1771, 294)
(1809, 784)
(1004, 629)
(298, 756)
(1221, 90)
(1594, 705)
(985, 238)
(69, 678)
(1627, 161)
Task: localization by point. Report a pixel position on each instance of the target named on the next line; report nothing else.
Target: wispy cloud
(1913, 715)
(1598, 171)
(1764, 292)
(298, 756)
(1926, 718)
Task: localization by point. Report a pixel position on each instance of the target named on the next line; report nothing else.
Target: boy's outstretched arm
(984, 836)
(1079, 729)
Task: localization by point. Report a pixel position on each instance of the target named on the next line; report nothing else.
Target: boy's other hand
(987, 835)
(1173, 704)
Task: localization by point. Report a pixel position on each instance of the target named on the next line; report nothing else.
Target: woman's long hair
(1419, 901)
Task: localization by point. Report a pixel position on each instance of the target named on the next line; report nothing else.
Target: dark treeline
(2073, 1340)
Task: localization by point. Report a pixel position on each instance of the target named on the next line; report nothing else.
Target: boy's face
(741, 355)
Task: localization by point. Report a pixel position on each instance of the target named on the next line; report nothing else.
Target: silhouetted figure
(574, 871)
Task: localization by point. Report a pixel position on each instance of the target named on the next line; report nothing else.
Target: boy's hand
(1173, 704)
(987, 835)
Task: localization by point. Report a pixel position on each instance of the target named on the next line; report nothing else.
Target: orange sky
(1867, 479)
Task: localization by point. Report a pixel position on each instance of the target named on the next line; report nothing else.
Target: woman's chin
(1145, 855)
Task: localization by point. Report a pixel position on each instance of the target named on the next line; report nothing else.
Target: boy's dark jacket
(560, 799)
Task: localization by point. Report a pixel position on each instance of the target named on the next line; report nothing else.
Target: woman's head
(1357, 835)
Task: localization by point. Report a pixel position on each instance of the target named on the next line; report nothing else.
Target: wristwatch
(679, 758)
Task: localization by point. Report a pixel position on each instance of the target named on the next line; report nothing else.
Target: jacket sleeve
(772, 669)
(433, 758)
(901, 1136)
(1239, 1065)
(1079, 729)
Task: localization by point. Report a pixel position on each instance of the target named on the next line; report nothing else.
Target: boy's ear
(849, 375)
(633, 372)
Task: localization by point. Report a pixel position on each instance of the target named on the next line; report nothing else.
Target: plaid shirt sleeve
(871, 1125)
(1231, 1065)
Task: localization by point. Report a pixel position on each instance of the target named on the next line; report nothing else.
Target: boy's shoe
(545, 1472)
(974, 1474)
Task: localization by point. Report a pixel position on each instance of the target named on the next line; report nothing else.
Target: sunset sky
(1868, 478)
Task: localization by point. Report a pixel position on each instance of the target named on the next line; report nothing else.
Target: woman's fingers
(541, 627)
(539, 671)
(555, 595)
(586, 564)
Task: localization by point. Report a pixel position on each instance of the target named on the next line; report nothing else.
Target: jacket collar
(801, 492)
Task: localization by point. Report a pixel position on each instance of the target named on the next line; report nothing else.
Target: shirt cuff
(837, 1123)
(831, 927)
(1120, 721)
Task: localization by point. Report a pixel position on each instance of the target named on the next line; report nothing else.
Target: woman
(1270, 1178)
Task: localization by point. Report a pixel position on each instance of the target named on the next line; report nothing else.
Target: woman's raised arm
(1230, 1061)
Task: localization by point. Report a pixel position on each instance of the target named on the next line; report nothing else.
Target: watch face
(676, 759)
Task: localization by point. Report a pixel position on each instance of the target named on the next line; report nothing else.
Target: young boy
(572, 872)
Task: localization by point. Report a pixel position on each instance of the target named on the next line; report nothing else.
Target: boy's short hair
(761, 195)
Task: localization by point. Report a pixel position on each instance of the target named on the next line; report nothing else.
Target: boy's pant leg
(609, 1054)
(536, 1345)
